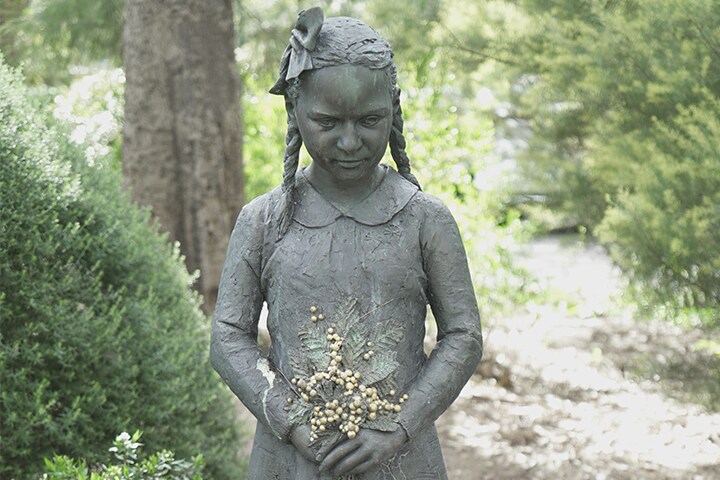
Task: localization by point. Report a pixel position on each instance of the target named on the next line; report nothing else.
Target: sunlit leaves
(664, 231)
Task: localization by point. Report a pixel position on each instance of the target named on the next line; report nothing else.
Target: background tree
(182, 134)
(621, 97)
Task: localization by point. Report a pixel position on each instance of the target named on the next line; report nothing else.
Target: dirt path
(555, 397)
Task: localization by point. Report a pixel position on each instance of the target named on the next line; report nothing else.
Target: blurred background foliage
(50, 37)
(621, 97)
(525, 116)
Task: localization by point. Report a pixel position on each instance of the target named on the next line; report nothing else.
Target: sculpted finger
(337, 454)
(351, 462)
(363, 467)
(322, 451)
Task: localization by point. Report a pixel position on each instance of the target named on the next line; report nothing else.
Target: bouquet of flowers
(345, 375)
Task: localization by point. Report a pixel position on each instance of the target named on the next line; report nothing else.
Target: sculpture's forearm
(234, 352)
(236, 357)
(441, 379)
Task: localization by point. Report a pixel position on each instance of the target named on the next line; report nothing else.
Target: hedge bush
(99, 329)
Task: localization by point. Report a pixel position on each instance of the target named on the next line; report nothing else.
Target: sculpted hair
(293, 142)
(397, 141)
(318, 43)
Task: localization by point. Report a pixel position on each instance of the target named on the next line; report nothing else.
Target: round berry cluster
(354, 403)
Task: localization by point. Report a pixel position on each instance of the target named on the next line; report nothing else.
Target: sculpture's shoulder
(258, 213)
(430, 208)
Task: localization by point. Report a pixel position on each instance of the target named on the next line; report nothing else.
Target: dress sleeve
(234, 351)
(452, 299)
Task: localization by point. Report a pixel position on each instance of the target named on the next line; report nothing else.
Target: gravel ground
(555, 396)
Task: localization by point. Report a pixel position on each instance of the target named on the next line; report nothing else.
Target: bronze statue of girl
(347, 254)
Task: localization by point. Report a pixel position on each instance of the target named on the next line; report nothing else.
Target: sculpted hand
(367, 450)
(300, 437)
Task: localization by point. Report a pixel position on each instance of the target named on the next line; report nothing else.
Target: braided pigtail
(397, 141)
(293, 142)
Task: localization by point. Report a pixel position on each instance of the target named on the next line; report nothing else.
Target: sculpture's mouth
(350, 163)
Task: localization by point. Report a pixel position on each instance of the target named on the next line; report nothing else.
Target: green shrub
(161, 465)
(99, 330)
(597, 71)
(664, 231)
(265, 123)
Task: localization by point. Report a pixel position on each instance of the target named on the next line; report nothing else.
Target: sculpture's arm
(234, 352)
(452, 299)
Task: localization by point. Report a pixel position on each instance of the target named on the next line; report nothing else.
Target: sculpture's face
(344, 114)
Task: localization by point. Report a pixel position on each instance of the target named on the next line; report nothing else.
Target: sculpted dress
(396, 252)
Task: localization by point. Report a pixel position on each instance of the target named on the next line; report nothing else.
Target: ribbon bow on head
(296, 58)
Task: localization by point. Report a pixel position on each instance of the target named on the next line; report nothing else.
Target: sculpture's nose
(349, 140)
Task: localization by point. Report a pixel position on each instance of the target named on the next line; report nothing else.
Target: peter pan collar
(391, 195)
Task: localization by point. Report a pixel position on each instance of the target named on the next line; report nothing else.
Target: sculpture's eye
(326, 122)
(370, 121)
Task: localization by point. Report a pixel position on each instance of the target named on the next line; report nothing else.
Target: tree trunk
(182, 150)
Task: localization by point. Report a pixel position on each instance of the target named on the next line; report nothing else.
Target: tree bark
(182, 148)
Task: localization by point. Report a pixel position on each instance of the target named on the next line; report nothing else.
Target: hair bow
(296, 58)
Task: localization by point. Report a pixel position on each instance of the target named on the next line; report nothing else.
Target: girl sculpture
(347, 254)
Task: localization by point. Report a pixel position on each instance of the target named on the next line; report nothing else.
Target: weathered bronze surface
(347, 254)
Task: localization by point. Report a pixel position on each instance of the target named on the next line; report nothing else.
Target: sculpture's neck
(344, 194)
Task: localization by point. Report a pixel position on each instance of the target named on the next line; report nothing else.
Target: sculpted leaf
(388, 337)
(314, 346)
(355, 332)
(347, 314)
(318, 359)
(326, 391)
(300, 364)
(379, 367)
(354, 345)
(330, 370)
(385, 385)
(299, 413)
(382, 424)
